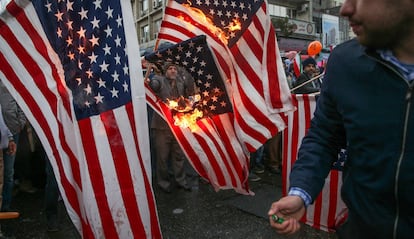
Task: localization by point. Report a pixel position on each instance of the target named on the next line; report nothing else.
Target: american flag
(243, 41)
(328, 208)
(211, 147)
(67, 63)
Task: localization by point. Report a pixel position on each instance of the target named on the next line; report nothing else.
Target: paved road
(201, 214)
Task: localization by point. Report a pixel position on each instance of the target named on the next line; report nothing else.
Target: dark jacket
(366, 106)
(162, 87)
(307, 88)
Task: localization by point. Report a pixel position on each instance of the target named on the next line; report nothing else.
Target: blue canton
(88, 37)
(194, 55)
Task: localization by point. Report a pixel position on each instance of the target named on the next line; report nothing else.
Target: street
(201, 213)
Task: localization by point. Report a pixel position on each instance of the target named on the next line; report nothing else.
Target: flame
(188, 120)
(208, 22)
(184, 113)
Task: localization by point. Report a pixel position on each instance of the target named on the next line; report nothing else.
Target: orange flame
(188, 120)
(185, 115)
(208, 22)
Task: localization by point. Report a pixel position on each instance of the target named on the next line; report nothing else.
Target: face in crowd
(171, 72)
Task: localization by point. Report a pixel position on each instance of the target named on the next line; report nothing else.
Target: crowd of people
(18, 138)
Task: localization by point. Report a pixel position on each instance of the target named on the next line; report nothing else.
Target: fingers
(288, 227)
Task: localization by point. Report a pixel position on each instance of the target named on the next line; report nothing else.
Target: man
(165, 145)
(15, 121)
(366, 105)
(309, 70)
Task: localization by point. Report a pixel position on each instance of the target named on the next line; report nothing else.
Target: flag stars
(223, 104)
(101, 83)
(233, 4)
(180, 48)
(114, 92)
(203, 63)
(109, 12)
(69, 24)
(228, 14)
(225, 4)
(59, 32)
(216, 3)
(79, 80)
(88, 89)
(213, 107)
(214, 98)
(108, 31)
(69, 6)
(97, 4)
(119, 21)
(207, 85)
(209, 77)
(118, 41)
(89, 73)
(126, 69)
(87, 104)
(99, 98)
(48, 6)
(81, 49)
(212, 12)
(199, 48)
(104, 66)
(94, 41)
(92, 58)
(199, 3)
(83, 13)
(200, 72)
(81, 32)
(115, 76)
(205, 93)
(195, 59)
(117, 59)
(71, 55)
(59, 16)
(242, 7)
(207, 2)
(69, 41)
(244, 17)
(107, 49)
(125, 86)
(188, 54)
(169, 52)
(95, 23)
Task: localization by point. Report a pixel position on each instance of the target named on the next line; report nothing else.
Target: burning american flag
(244, 45)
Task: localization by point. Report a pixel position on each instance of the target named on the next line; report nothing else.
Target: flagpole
(306, 82)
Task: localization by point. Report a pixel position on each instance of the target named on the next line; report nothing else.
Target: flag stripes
(328, 205)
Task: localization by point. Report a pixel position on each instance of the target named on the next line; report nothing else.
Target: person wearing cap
(168, 86)
(309, 70)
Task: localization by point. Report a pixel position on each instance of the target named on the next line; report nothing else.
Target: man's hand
(12, 147)
(291, 209)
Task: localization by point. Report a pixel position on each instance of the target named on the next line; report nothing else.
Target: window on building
(144, 6)
(157, 27)
(144, 33)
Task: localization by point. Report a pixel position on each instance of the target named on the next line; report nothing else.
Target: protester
(309, 71)
(6, 142)
(165, 145)
(15, 121)
(366, 105)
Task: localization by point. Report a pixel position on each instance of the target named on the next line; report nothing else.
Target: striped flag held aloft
(244, 45)
(328, 207)
(67, 63)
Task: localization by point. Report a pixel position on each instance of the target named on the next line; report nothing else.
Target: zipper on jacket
(408, 97)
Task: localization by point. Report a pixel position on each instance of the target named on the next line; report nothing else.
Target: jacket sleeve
(305, 89)
(321, 145)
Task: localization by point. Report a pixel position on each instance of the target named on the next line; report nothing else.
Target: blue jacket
(367, 107)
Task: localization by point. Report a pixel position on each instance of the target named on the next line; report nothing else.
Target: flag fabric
(210, 145)
(244, 44)
(70, 66)
(328, 208)
(297, 65)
